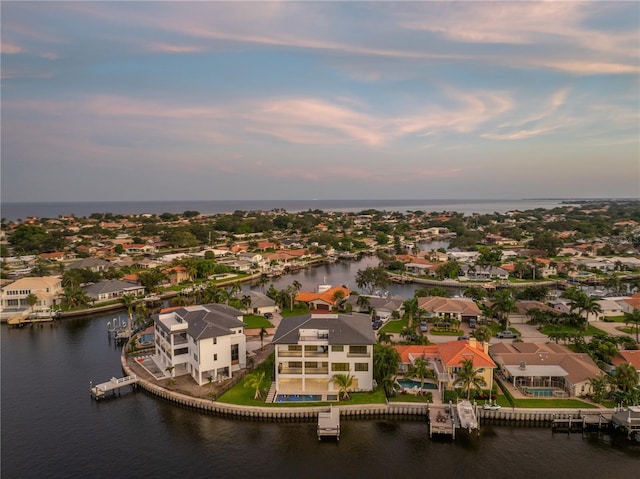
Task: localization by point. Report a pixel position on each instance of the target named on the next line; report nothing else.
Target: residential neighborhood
(522, 303)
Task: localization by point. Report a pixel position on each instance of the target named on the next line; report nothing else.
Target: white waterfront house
(311, 349)
(205, 341)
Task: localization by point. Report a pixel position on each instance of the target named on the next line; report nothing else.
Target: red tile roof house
(55, 256)
(322, 300)
(446, 359)
(177, 274)
(631, 356)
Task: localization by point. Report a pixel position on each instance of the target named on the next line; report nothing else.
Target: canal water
(51, 428)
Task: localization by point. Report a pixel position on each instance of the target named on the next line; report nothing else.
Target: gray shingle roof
(352, 329)
(210, 320)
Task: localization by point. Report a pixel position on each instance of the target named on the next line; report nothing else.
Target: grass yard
(545, 403)
(255, 321)
(550, 329)
(297, 311)
(395, 325)
(446, 332)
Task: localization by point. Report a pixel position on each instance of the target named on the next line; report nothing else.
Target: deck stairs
(271, 395)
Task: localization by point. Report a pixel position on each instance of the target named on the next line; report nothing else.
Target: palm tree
(384, 337)
(297, 285)
(257, 382)
(590, 305)
(263, 333)
(338, 298)
(482, 334)
(633, 318)
(386, 361)
(599, 386)
(467, 377)
(262, 282)
(128, 301)
(420, 369)
(364, 303)
(344, 382)
(31, 300)
(503, 304)
(180, 300)
(411, 309)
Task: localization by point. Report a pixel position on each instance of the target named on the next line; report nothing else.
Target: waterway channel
(52, 428)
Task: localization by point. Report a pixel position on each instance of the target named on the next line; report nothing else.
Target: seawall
(361, 411)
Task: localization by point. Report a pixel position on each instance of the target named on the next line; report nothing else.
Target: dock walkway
(114, 384)
(329, 423)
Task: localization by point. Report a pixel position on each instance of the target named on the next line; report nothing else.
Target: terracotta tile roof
(628, 356)
(454, 353)
(327, 296)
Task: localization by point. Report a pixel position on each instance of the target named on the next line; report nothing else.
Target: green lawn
(254, 321)
(446, 332)
(244, 397)
(409, 398)
(395, 325)
(561, 328)
(297, 311)
(545, 403)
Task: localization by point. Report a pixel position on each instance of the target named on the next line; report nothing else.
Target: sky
(109, 101)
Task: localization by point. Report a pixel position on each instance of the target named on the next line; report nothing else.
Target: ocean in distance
(15, 211)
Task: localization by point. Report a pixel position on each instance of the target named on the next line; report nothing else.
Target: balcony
(316, 370)
(289, 354)
(285, 370)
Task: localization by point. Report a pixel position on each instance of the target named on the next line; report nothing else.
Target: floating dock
(114, 384)
(329, 423)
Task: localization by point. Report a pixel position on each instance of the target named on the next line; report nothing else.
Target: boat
(491, 407)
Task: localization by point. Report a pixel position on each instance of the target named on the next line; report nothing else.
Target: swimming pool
(298, 398)
(543, 392)
(410, 384)
(146, 338)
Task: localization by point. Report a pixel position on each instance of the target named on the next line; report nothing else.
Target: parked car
(463, 338)
(268, 315)
(472, 323)
(507, 335)
(423, 326)
(376, 324)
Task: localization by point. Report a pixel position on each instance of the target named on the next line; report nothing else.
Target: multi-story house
(46, 288)
(311, 349)
(441, 309)
(446, 359)
(204, 341)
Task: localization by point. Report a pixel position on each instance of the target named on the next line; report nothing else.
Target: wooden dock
(441, 422)
(114, 384)
(329, 423)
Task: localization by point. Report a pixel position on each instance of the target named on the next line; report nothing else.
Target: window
(362, 366)
(339, 366)
(337, 349)
(195, 356)
(357, 350)
(235, 355)
(215, 340)
(215, 357)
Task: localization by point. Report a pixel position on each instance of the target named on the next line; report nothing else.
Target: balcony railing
(289, 354)
(316, 370)
(358, 355)
(290, 370)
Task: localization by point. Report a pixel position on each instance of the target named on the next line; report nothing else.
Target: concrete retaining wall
(363, 411)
